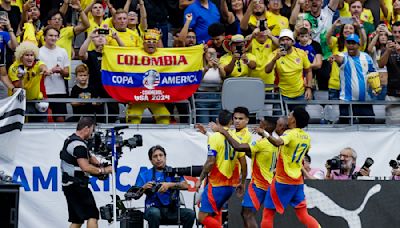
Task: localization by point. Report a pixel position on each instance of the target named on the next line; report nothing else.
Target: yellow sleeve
(13, 72)
(286, 137)
(306, 61)
(241, 154)
(29, 33)
(251, 57)
(225, 60)
(212, 145)
(254, 147)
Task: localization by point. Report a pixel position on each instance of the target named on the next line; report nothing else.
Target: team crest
(151, 79)
(298, 60)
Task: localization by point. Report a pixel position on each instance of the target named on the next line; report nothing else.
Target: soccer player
(263, 155)
(221, 171)
(288, 185)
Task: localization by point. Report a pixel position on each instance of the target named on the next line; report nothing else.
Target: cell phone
(391, 38)
(262, 25)
(239, 49)
(103, 31)
(346, 20)
(213, 55)
(3, 14)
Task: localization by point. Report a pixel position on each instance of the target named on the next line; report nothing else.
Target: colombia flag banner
(170, 74)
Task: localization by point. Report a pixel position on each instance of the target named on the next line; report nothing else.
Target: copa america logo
(151, 79)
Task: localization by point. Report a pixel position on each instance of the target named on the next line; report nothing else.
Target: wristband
(266, 134)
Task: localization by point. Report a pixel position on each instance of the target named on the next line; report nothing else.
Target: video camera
(395, 163)
(193, 171)
(128, 217)
(101, 143)
(335, 163)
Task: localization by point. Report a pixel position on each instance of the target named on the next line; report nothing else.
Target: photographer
(162, 193)
(76, 165)
(346, 162)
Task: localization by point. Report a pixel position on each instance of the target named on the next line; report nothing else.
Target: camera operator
(162, 192)
(76, 165)
(347, 164)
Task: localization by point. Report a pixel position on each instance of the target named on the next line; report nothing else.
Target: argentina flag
(12, 112)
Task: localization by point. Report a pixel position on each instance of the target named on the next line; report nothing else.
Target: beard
(258, 14)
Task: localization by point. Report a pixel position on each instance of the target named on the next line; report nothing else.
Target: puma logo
(326, 205)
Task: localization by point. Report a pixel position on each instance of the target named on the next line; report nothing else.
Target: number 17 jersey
(296, 144)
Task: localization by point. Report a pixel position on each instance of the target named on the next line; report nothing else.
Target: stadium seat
(244, 91)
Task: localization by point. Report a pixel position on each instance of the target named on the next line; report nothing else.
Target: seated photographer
(343, 167)
(162, 192)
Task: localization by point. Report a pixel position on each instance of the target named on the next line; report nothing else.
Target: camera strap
(67, 157)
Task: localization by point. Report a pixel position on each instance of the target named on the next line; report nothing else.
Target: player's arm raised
(275, 141)
(244, 147)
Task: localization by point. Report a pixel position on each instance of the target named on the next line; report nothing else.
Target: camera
(335, 163)
(262, 25)
(101, 143)
(395, 163)
(106, 211)
(103, 31)
(239, 49)
(193, 171)
(368, 163)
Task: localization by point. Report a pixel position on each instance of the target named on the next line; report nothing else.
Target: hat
(286, 33)
(229, 40)
(152, 34)
(353, 37)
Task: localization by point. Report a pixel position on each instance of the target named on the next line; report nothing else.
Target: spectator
(158, 17)
(93, 60)
(311, 173)
(13, 12)
(354, 67)
(95, 8)
(217, 33)
(68, 33)
(337, 45)
(237, 62)
(348, 159)
(31, 23)
(391, 59)
(27, 73)
(375, 49)
(8, 41)
(256, 11)
(120, 26)
(82, 90)
(386, 10)
(261, 46)
(213, 73)
(276, 22)
(133, 23)
(204, 13)
(134, 111)
(56, 59)
(356, 10)
(232, 14)
(291, 63)
(187, 37)
(287, 6)
(312, 48)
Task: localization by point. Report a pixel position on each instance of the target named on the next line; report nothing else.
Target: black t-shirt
(157, 12)
(14, 15)
(393, 69)
(286, 11)
(84, 93)
(94, 64)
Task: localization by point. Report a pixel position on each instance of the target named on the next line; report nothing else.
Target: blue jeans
(167, 216)
(212, 107)
(164, 29)
(381, 96)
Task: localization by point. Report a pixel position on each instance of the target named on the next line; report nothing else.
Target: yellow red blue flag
(130, 74)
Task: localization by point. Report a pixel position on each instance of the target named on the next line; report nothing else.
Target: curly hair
(25, 47)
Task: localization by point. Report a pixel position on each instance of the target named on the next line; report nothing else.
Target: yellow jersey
(225, 171)
(275, 22)
(290, 68)
(263, 158)
(296, 143)
(31, 79)
(262, 53)
(244, 69)
(389, 6)
(129, 38)
(345, 11)
(367, 16)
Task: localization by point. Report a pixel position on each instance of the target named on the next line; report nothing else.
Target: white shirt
(324, 23)
(212, 76)
(54, 83)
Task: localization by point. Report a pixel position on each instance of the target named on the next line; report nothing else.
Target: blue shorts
(253, 197)
(280, 195)
(213, 198)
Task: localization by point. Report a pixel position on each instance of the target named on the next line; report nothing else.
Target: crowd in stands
(300, 46)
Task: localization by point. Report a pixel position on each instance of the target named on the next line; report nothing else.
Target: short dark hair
(303, 31)
(85, 122)
(302, 117)
(154, 148)
(48, 28)
(397, 23)
(242, 110)
(353, 1)
(224, 117)
(307, 157)
(216, 29)
(54, 12)
(270, 121)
